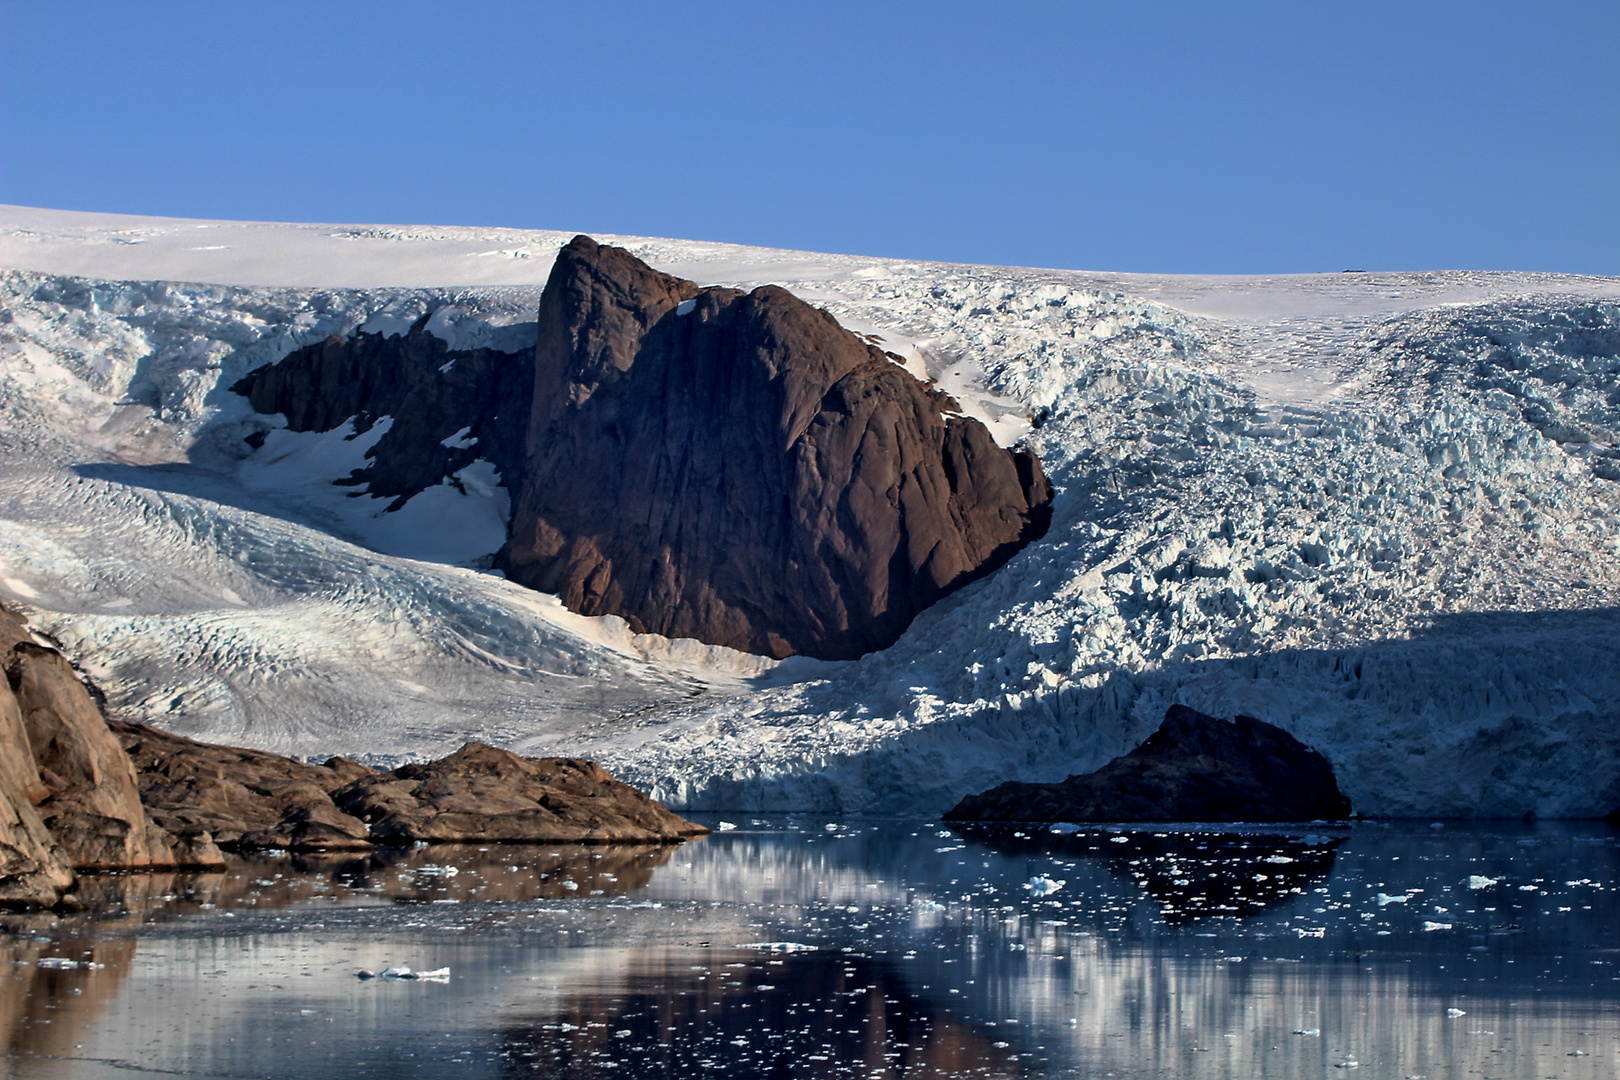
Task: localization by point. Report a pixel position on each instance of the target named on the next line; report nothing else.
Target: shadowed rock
(428, 391)
(738, 468)
(480, 793)
(1194, 768)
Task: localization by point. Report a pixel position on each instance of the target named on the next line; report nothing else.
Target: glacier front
(1381, 511)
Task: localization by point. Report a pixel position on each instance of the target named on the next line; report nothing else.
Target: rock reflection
(61, 970)
(44, 1010)
(739, 1013)
(498, 873)
(1192, 875)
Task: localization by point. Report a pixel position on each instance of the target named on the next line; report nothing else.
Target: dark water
(878, 950)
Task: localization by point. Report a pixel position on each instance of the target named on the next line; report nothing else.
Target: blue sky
(1174, 137)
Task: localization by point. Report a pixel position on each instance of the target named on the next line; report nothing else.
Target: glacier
(1380, 510)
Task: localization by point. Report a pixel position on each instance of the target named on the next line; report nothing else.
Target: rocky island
(1193, 768)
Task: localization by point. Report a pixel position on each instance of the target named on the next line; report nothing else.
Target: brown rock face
(738, 468)
(480, 793)
(242, 798)
(93, 807)
(33, 870)
(1194, 768)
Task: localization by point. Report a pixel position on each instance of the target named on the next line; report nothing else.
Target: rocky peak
(738, 468)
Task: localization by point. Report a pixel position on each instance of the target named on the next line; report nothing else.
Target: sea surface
(852, 948)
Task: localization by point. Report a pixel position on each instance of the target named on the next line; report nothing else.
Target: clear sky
(1220, 137)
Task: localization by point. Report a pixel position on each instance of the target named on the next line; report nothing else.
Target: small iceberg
(727, 826)
(1043, 886)
(1064, 828)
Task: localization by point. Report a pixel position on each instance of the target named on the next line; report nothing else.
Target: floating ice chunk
(397, 973)
(727, 826)
(1385, 898)
(778, 946)
(1478, 881)
(1454, 1013)
(437, 871)
(1307, 1031)
(1348, 1063)
(1064, 828)
(1119, 839)
(438, 975)
(571, 885)
(1043, 886)
(1431, 925)
(1279, 859)
(59, 963)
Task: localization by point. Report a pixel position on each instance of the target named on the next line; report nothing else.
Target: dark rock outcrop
(733, 467)
(738, 468)
(480, 793)
(430, 392)
(1194, 768)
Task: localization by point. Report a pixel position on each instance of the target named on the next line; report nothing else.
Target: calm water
(861, 949)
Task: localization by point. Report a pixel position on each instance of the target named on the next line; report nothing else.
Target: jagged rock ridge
(738, 468)
(431, 393)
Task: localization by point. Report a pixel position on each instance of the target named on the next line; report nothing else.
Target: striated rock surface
(244, 799)
(738, 468)
(481, 793)
(1194, 768)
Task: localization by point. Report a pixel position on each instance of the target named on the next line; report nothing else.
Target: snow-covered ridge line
(1363, 510)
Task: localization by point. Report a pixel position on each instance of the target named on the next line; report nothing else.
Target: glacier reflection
(881, 949)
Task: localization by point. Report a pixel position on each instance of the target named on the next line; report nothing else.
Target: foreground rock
(480, 793)
(249, 799)
(78, 793)
(34, 871)
(1194, 768)
(245, 799)
(738, 468)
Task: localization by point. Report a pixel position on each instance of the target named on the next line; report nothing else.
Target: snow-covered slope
(1380, 510)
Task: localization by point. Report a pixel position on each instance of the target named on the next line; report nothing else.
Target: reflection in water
(879, 949)
(1192, 874)
(738, 1015)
